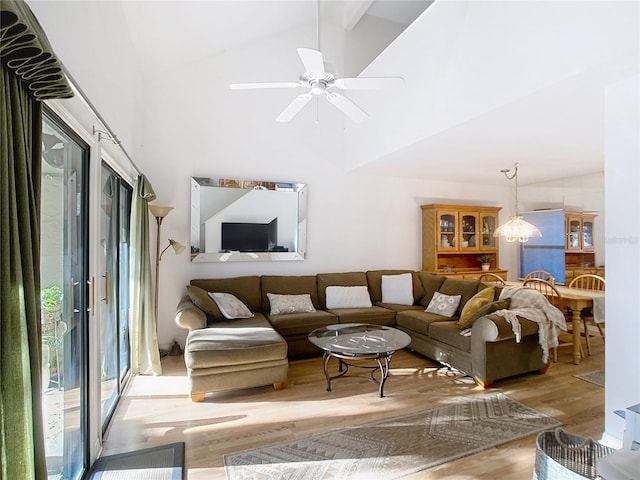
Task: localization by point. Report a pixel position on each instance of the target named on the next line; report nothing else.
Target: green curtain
(145, 355)
(29, 72)
(22, 433)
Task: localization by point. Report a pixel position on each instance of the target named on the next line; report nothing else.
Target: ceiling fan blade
(312, 61)
(294, 107)
(371, 83)
(347, 107)
(247, 86)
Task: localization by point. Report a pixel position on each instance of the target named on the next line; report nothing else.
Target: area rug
(597, 377)
(165, 462)
(395, 447)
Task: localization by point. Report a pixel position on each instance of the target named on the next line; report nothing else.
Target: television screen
(249, 237)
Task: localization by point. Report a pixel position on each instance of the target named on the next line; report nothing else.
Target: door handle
(92, 309)
(106, 287)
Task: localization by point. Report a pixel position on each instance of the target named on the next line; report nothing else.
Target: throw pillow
(397, 289)
(487, 309)
(203, 301)
(281, 304)
(348, 297)
(473, 305)
(445, 305)
(230, 306)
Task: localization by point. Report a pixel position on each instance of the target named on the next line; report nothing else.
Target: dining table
(577, 299)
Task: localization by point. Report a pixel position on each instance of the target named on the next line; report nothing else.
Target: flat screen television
(249, 237)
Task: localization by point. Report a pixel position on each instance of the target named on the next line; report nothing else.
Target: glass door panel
(573, 233)
(587, 235)
(448, 223)
(469, 231)
(63, 265)
(113, 287)
(489, 224)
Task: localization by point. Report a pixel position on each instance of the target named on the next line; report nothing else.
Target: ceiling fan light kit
(320, 82)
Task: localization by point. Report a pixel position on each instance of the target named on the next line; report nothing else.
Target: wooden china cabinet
(579, 246)
(453, 236)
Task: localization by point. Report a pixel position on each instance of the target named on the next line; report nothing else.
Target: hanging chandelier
(517, 228)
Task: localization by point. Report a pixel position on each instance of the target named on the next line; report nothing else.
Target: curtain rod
(109, 133)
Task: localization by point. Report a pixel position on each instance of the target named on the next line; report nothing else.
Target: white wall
(622, 202)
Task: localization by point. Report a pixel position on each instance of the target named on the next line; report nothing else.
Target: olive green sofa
(222, 354)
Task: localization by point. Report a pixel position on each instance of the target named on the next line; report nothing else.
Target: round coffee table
(359, 341)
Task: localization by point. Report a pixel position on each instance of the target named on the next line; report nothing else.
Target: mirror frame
(210, 182)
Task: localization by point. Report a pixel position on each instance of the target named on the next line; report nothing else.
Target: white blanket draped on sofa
(532, 305)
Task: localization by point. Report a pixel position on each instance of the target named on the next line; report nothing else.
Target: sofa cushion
(289, 285)
(418, 320)
(347, 297)
(247, 289)
(287, 304)
(465, 288)
(487, 309)
(449, 333)
(296, 324)
(374, 315)
(374, 280)
(229, 305)
(398, 289)
(338, 279)
(445, 305)
(396, 307)
(237, 342)
(470, 308)
(204, 302)
(430, 283)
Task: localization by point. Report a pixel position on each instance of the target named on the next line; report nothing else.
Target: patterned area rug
(596, 377)
(395, 447)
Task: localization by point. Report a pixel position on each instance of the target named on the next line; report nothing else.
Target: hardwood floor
(158, 410)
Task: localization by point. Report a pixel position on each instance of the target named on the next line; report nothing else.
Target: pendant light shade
(517, 228)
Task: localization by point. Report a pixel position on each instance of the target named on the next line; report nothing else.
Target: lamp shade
(159, 211)
(177, 246)
(517, 228)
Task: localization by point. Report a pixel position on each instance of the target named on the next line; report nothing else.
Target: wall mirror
(247, 220)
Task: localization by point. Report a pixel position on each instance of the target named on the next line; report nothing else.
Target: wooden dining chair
(555, 298)
(492, 278)
(589, 281)
(541, 274)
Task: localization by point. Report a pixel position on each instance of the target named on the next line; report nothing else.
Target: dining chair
(541, 274)
(555, 298)
(492, 278)
(589, 281)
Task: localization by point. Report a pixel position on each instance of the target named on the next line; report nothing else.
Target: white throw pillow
(348, 297)
(397, 289)
(281, 304)
(230, 306)
(445, 305)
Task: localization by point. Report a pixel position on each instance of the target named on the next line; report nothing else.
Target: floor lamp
(160, 212)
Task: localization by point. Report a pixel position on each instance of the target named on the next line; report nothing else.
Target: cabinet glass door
(469, 231)
(447, 230)
(587, 234)
(489, 223)
(574, 231)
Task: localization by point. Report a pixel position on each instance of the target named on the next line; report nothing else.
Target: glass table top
(359, 339)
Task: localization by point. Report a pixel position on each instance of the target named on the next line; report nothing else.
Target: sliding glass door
(114, 287)
(64, 294)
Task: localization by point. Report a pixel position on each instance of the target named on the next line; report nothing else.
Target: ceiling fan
(319, 82)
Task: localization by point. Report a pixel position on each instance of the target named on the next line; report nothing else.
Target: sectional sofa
(270, 324)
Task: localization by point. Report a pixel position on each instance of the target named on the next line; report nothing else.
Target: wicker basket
(562, 456)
